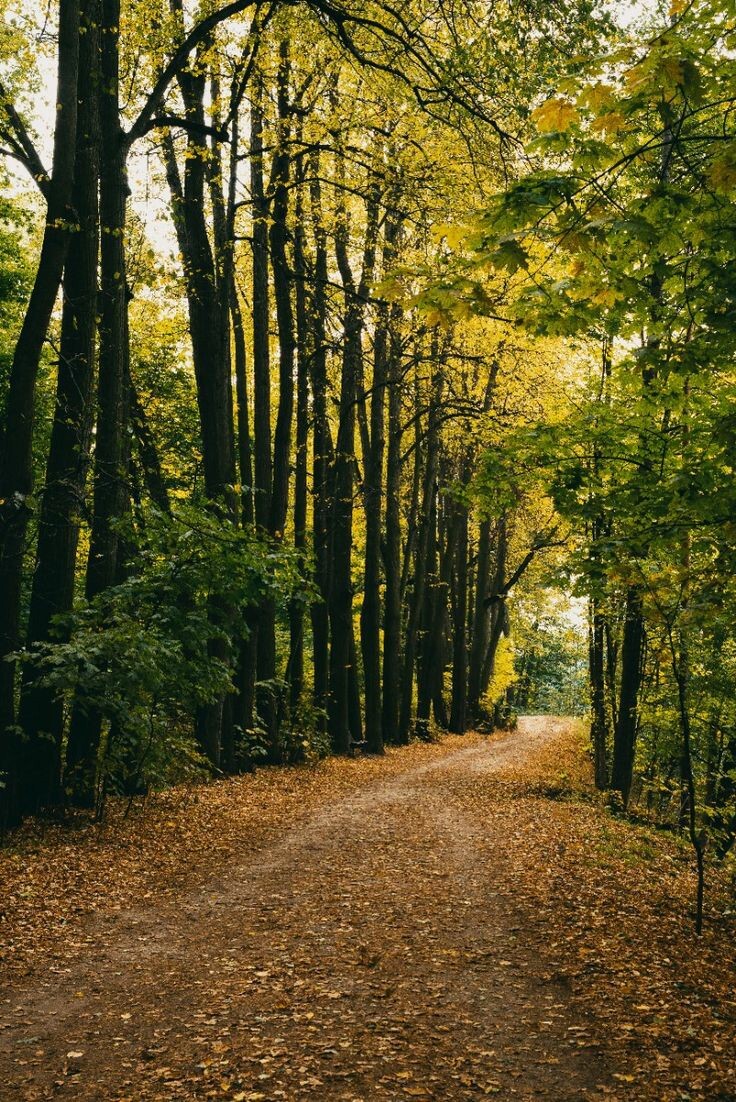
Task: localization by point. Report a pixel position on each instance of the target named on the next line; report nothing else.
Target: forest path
(375, 950)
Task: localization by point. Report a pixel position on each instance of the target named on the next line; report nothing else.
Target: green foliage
(144, 654)
(15, 283)
(550, 655)
(304, 738)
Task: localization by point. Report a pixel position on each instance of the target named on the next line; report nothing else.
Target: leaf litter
(454, 921)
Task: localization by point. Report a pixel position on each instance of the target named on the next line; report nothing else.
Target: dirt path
(368, 953)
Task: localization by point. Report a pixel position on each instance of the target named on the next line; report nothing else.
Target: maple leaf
(555, 116)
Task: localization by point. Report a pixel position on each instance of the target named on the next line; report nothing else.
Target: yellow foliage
(504, 674)
(607, 296)
(453, 235)
(610, 123)
(597, 96)
(556, 115)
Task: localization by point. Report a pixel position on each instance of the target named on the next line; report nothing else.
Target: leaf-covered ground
(451, 922)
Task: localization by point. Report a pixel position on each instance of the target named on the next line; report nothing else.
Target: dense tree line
(348, 323)
(311, 558)
(622, 234)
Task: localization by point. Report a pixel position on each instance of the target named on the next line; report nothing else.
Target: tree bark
(599, 722)
(341, 535)
(392, 539)
(322, 458)
(62, 503)
(304, 343)
(632, 656)
(458, 707)
(16, 463)
(480, 628)
(282, 278)
(110, 472)
(370, 617)
(422, 549)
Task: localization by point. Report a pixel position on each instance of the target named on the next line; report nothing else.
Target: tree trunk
(342, 646)
(425, 641)
(209, 298)
(599, 722)
(266, 653)
(392, 541)
(370, 617)
(436, 642)
(304, 343)
(340, 602)
(458, 707)
(147, 450)
(322, 450)
(480, 628)
(422, 552)
(52, 591)
(110, 474)
(278, 236)
(16, 464)
(498, 625)
(632, 655)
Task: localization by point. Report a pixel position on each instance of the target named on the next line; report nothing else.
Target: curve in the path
(365, 955)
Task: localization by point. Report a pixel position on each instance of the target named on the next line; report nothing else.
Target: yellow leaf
(597, 96)
(556, 115)
(454, 235)
(607, 296)
(610, 123)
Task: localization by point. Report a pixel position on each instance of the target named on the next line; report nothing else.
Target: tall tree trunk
(245, 453)
(423, 547)
(436, 643)
(498, 625)
(370, 616)
(110, 473)
(392, 540)
(632, 656)
(340, 602)
(52, 591)
(278, 236)
(425, 663)
(480, 628)
(341, 535)
(16, 463)
(209, 298)
(458, 707)
(304, 343)
(263, 471)
(261, 317)
(282, 278)
(322, 449)
(599, 722)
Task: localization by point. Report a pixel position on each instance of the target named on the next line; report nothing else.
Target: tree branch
(160, 121)
(178, 60)
(22, 148)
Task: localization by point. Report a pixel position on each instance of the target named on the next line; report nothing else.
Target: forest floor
(457, 920)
